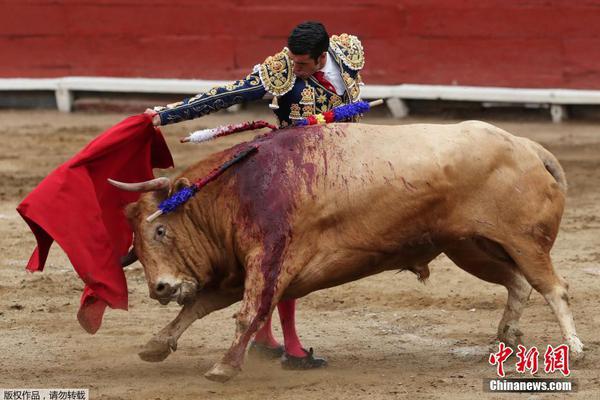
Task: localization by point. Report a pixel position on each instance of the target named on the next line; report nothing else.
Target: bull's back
(356, 165)
(369, 180)
(321, 157)
(365, 175)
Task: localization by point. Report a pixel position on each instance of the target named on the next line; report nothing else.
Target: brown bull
(320, 206)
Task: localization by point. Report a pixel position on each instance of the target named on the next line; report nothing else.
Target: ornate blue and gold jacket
(293, 98)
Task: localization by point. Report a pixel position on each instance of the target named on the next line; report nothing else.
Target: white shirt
(333, 74)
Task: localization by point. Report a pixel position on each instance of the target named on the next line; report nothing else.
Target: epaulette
(349, 49)
(277, 73)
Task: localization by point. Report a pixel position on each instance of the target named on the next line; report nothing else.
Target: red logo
(527, 360)
(499, 358)
(555, 359)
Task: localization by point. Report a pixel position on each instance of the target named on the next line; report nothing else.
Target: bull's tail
(552, 165)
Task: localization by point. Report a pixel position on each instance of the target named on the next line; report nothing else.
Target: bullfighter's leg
(287, 315)
(165, 341)
(265, 335)
(488, 261)
(295, 357)
(264, 344)
(539, 271)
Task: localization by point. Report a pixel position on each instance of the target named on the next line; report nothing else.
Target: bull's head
(171, 248)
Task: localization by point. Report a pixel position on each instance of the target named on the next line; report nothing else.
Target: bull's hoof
(512, 337)
(307, 362)
(157, 350)
(575, 349)
(577, 356)
(259, 350)
(221, 372)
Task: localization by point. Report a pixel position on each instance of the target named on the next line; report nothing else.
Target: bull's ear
(180, 183)
(132, 210)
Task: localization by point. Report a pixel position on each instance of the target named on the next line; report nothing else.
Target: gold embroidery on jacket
(359, 79)
(295, 111)
(335, 101)
(277, 73)
(352, 86)
(308, 110)
(308, 95)
(173, 105)
(321, 98)
(349, 49)
(348, 80)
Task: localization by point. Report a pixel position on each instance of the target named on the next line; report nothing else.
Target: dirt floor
(387, 336)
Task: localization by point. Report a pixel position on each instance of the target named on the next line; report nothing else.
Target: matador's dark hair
(310, 38)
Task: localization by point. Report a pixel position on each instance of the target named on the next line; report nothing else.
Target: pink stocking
(265, 336)
(287, 315)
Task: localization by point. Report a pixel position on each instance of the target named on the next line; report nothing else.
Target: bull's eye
(160, 232)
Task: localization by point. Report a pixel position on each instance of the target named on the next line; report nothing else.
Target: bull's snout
(165, 291)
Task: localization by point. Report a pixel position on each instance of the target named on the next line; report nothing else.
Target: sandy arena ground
(385, 337)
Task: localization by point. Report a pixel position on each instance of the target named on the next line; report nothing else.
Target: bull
(320, 206)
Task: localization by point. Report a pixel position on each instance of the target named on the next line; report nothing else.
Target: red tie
(320, 76)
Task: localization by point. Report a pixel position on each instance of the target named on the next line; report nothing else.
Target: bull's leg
(256, 309)
(540, 273)
(487, 261)
(165, 341)
(260, 297)
(518, 294)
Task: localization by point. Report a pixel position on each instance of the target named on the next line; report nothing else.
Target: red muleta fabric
(76, 207)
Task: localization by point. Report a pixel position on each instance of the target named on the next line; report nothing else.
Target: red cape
(77, 207)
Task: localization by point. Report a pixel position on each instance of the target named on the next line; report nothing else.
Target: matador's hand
(154, 115)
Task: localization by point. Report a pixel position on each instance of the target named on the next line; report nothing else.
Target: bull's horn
(128, 258)
(153, 185)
